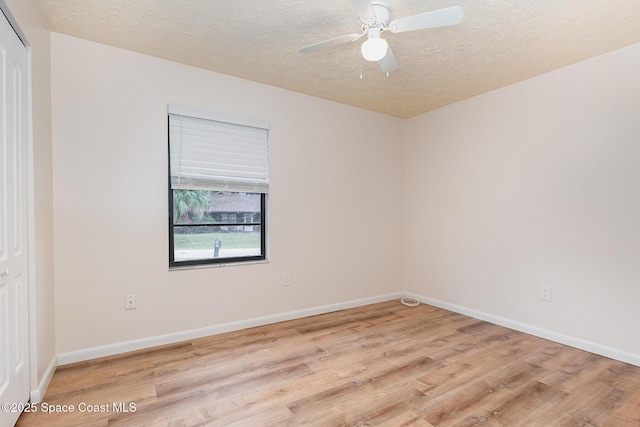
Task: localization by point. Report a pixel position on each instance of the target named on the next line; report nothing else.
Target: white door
(14, 358)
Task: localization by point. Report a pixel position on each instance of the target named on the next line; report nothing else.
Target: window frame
(262, 223)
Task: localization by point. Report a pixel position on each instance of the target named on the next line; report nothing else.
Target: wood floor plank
(592, 407)
(383, 364)
(276, 417)
(627, 415)
(406, 419)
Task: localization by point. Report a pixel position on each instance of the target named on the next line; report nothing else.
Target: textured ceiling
(497, 43)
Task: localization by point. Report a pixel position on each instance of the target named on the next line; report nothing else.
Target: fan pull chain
(387, 64)
(360, 67)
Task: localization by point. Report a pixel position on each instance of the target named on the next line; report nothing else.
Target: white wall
(335, 215)
(534, 184)
(41, 328)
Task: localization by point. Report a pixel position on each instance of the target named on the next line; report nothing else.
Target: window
(218, 186)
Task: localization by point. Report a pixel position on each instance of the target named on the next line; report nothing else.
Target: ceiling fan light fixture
(374, 48)
(375, 18)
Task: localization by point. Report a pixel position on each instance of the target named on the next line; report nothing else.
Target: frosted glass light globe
(374, 49)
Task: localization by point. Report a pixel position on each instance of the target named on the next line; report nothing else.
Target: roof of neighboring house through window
(234, 202)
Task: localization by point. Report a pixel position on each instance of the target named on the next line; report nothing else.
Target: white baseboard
(623, 356)
(36, 396)
(123, 347)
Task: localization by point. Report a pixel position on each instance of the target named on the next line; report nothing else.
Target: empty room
(338, 213)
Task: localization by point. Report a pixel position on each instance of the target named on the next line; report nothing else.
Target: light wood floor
(384, 364)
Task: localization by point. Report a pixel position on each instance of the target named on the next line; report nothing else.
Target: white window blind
(214, 152)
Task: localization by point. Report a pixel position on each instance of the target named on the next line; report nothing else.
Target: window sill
(230, 264)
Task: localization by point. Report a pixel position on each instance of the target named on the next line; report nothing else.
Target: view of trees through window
(217, 225)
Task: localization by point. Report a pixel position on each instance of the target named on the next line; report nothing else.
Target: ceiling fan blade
(389, 62)
(435, 19)
(363, 8)
(330, 43)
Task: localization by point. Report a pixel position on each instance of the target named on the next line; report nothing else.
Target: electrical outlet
(130, 302)
(545, 293)
(286, 279)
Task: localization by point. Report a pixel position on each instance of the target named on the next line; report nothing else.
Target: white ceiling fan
(374, 16)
